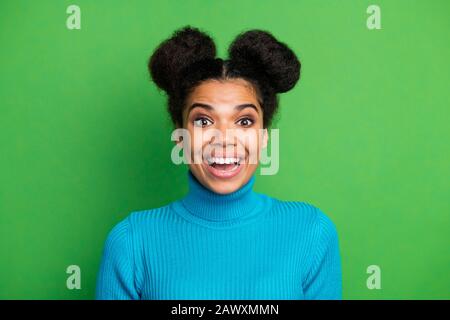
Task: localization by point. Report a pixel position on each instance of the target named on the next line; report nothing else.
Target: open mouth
(224, 164)
(224, 167)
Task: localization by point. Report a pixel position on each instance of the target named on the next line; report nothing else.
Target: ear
(179, 142)
(265, 138)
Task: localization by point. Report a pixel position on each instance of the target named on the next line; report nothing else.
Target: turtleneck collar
(208, 205)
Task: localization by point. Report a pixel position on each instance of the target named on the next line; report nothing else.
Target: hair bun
(187, 45)
(262, 50)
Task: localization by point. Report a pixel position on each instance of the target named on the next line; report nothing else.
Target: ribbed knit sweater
(241, 245)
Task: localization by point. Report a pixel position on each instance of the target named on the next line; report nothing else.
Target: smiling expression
(225, 122)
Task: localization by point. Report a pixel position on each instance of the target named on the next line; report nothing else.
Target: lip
(221, 174)
(219, 155)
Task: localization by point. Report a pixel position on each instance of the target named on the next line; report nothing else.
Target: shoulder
(144, 222)
(117, 243)
(125, 238)
(307, 215)
(138, 218)
(134, 221)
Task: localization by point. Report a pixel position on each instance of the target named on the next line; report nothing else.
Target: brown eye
(246, 122)
(201, 122)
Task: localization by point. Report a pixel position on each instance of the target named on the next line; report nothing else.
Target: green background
(85, 138)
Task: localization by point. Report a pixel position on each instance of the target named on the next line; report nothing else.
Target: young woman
(223, 240)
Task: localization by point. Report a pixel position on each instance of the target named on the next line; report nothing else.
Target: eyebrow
(211, 108)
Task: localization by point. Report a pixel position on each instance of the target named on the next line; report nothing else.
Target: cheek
(251, 142)
(199, 145)
(250, 139)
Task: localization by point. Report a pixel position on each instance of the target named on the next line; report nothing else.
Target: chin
(224, 187)
(222, 179)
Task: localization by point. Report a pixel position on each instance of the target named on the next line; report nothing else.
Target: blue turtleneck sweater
(241, 245)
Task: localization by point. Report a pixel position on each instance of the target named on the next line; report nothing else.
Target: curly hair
(188, 57)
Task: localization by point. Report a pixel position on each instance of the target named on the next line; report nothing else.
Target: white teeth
(220, 160)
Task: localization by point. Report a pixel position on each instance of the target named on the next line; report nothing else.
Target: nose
(223, 137)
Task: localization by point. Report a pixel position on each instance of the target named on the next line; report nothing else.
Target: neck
(209, 205)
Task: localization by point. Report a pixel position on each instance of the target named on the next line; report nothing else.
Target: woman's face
(225, 123)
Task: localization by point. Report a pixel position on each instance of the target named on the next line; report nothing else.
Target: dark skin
(224, 105)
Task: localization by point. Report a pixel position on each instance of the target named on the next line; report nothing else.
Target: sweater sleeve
(324, 279)
(115, 279)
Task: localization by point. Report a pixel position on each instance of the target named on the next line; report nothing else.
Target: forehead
(224, 93)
